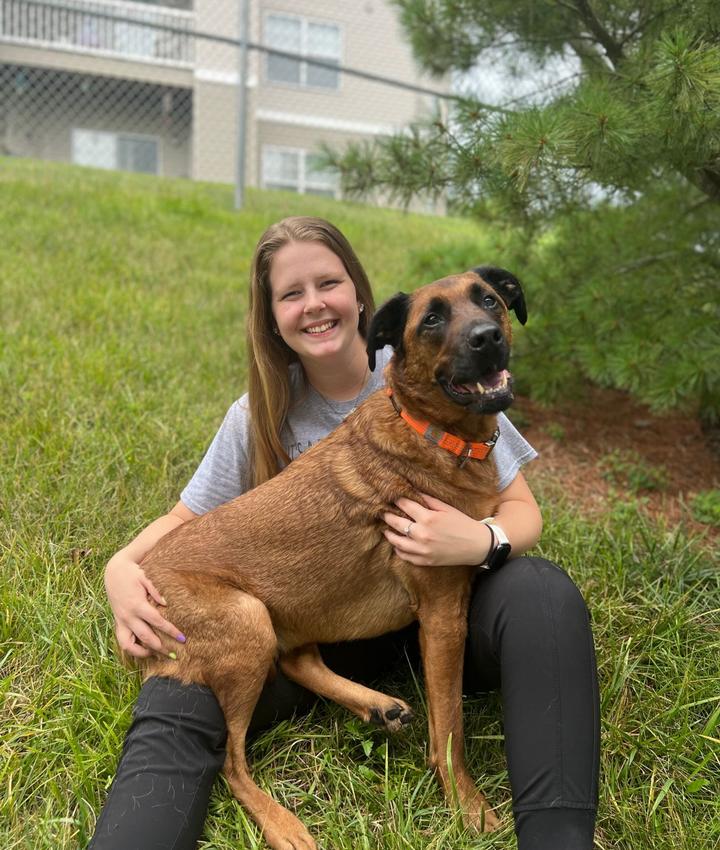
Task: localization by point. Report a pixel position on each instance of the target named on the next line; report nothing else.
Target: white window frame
(304, 24)
(116, 135)
(304, 182)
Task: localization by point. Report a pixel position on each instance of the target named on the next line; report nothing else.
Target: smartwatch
(500, 547)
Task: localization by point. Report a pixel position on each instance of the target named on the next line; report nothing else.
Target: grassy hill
(123, 301)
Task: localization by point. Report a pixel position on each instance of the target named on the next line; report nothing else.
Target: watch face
(499, 556)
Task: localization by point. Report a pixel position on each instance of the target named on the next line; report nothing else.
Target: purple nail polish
(181, 638)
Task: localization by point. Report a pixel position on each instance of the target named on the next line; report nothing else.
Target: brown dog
(302, 559)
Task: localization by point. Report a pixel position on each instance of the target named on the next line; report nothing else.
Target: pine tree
(614, 181)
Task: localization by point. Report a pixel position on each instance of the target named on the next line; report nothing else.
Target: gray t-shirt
(223, 473)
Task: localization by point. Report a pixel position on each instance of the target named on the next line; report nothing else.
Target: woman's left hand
(440, 535)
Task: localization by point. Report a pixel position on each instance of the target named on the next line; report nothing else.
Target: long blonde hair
(269, 357)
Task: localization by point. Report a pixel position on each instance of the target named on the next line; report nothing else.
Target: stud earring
(361, 307)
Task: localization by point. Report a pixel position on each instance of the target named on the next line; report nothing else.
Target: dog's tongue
(493, 379)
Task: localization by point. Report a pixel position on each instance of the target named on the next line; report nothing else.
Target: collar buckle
(491, 442)
(467, 453)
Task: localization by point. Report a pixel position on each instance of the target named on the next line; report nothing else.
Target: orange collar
(455, 445)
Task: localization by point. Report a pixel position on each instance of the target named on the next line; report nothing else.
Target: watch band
(500, 547)
(499, 535)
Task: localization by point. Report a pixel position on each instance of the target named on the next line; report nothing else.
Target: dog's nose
(484, 337)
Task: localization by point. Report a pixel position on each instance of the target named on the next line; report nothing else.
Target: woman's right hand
(136, 620)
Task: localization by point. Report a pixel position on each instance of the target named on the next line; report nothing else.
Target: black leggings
(529, 635)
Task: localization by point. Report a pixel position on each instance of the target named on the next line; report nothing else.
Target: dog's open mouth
(492, 391)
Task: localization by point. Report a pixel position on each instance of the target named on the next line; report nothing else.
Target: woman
(529, 632)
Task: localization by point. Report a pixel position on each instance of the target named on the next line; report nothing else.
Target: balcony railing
(75, 27)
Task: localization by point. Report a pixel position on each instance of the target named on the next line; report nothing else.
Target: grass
(705, 507)
(122, 315)
(631, 471)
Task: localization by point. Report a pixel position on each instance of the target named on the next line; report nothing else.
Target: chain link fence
(156, 87)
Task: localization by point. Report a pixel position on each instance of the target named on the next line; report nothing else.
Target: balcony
(76, 27)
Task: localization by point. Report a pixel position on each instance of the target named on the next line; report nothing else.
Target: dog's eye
(432, 320)
(489, 301)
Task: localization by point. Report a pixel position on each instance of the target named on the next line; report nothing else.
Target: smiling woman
(317, 313)
(271, 355)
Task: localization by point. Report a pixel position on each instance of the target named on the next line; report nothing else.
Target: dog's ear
(387, 326)
(507, 287)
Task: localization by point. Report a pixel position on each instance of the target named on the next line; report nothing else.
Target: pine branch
(589, 56)
(697, 205)
(644, 261)
(524, 40)
(545, 89)
(585, 12)
(707, 180)
(612, 47)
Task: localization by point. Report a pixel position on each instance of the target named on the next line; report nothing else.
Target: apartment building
(138, 86)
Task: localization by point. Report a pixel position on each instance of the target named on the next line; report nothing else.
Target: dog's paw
(286, 832)
(392, 717)
(483, 821)
(478, 815)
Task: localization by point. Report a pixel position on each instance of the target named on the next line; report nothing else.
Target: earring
(276, 330)
(361, 307)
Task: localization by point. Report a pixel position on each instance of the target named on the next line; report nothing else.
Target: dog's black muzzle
(478, 377)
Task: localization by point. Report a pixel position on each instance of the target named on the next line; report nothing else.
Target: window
(308, 38)
(137, 154)
(296, 170)
(115, 151)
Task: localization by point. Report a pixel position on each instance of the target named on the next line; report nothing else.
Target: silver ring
(407, 530)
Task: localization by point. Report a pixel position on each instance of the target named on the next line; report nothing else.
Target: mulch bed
(574, 439)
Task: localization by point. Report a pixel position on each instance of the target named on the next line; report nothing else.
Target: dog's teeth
(481, 388)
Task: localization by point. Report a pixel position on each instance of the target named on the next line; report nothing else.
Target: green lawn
(123, 301)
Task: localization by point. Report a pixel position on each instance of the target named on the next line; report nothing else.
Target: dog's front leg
(306, 667)
(443, 628)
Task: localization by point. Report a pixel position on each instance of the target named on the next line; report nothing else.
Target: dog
(302, 559)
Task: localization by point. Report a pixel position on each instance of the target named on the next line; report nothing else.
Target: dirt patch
(601, 449)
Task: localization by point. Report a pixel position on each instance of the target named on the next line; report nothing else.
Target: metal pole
(244, 31)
